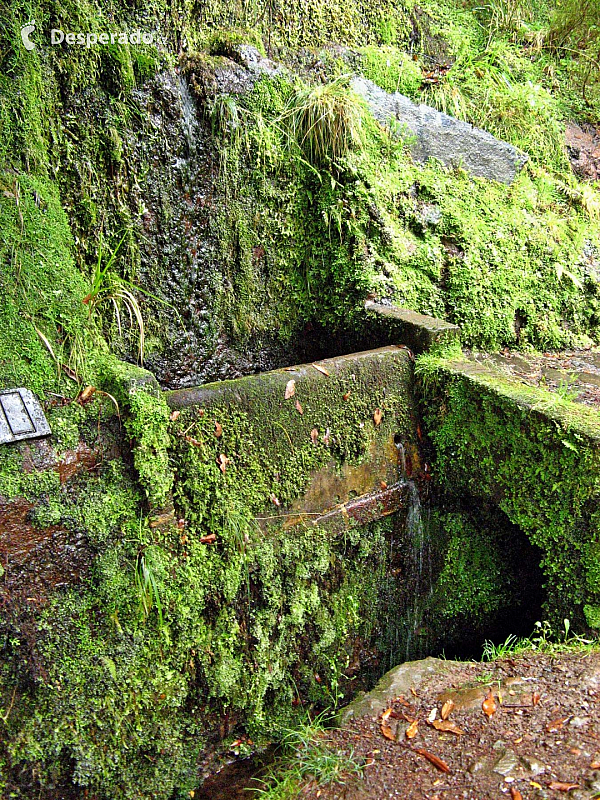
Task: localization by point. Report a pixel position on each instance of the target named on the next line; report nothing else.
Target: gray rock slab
(437, 135)
(397, 681)
(417, 331)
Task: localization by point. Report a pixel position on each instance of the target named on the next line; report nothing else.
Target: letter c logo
(26, 30)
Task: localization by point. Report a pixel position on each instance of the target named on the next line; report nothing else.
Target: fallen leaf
(290, 389)
(388, 732)
(412, 729)
(347, 395)
(412, 691)
(447, 709)
(446, 725)
(326, 437)
(212, 537)
(320, 369)
(489, 705)
(195, 442)
(383, 484)
(86, 395)
(314, 435)
(289, 369)
(218, 430)
(223, 461)
(173, 415)
(275, 500)
(377, 416)
(535, 698)
(561, 786)
(556, 724)
(515, 794)
(437, 762)
(299, 408)
(595, 764)
(536, 785)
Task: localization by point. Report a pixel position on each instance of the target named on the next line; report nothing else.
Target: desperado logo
(58, 36)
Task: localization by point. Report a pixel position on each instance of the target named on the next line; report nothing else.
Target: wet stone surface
(575, 374)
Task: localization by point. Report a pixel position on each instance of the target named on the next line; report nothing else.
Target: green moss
(540, 467)
(392, 69)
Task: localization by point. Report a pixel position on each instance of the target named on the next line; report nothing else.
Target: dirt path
(540, 737)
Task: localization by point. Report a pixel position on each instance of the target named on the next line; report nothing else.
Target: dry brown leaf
(437, 762)
(447, 709)
(218, 430)
(535, 698)
(412, 729)
(193, 441)
(86, 395)
(515, 794)
(377, 416)
(299, 408)
(314, 435)
(383, 484)
(388, 732)
(347, 395)
(446, 725)
(561, 786)
(173, 415)
(412, 691)
(556, 724)
(320, 369)
(275, 500)
(385, 728)
(489, 705)
(210, 539)
(290, 389)
(223, 461)
(595, 764)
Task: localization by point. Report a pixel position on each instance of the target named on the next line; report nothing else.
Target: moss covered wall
(536, 456)
(176, 638)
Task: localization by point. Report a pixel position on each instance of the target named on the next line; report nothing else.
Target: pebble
(579, 722)
(506, 764)
(533, 765)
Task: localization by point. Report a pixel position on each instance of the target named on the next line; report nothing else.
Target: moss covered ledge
(536, 455)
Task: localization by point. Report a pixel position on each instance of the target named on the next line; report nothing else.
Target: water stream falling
(418, 560)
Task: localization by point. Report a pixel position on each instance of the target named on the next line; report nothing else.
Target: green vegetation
(542, 471)
(306, 753)
(257, 215)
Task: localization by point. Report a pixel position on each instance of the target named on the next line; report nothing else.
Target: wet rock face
(35, 559)
(583, 148)
(436, 135)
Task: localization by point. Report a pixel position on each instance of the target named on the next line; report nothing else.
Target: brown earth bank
(524, 727)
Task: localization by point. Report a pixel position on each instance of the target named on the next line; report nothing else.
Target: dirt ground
(522, 727)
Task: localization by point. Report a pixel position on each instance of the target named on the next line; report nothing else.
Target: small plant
(107, 287)
(147, 589)
(307, 753)
(325, 120)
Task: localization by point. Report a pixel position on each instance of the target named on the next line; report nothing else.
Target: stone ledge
(417, 331)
